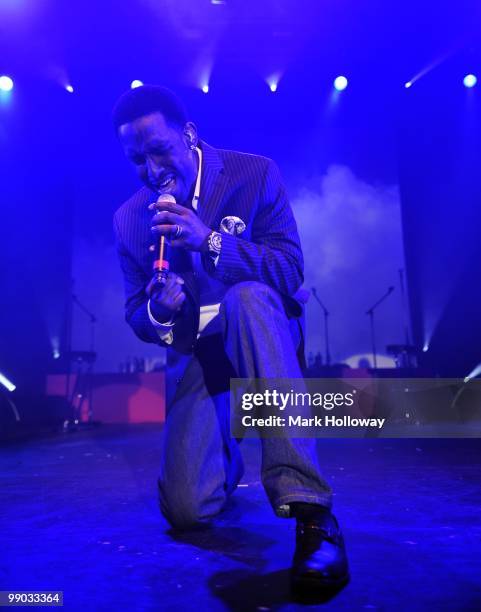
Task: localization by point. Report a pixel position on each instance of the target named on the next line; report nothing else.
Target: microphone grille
(166, 197)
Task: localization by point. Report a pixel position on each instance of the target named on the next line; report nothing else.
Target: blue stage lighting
(340, 83)
(474, 373)
(205, 88)
(470, 80)
(6, 83)
(408, 84)
(273, 81)
(8, 384)
(136, 83)
(69, 88)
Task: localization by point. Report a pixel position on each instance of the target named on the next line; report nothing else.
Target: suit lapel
(213, 184)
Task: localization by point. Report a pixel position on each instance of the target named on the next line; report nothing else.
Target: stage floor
(79, 514)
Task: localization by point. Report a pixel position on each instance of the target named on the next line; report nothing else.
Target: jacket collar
(214, 183)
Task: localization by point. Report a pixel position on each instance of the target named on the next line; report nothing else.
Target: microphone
(161, 260)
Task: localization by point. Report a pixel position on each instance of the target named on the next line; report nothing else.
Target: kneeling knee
(183, 514)
(181, 511)
(184, 519)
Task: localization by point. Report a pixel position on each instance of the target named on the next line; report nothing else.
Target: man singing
(226, 310)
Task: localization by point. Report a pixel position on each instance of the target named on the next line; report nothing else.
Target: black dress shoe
(320, 560)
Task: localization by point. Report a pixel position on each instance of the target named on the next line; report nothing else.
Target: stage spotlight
(470, 80)
(6, 83)
(474, 374)
(55, 347)
(340, 83)
(136, 83)
(205, 88)
(408, 84)
(273, 81)
(69, 88)
(8, 384)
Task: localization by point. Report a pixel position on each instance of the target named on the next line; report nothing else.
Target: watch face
(215, 242)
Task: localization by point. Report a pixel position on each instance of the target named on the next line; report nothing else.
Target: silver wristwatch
(214, 244)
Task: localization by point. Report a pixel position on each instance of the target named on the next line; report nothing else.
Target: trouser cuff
(283, 510)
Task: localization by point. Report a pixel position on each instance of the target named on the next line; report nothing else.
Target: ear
(190, 134)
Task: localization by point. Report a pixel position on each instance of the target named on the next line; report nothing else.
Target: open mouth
(166, 184)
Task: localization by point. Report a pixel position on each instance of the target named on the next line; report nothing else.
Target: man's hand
(166, 300)
(193, 232)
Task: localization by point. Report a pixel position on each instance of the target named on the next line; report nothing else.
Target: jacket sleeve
(274, 255)
(136, 314)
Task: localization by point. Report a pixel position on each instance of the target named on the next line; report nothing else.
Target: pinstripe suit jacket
(268, 251)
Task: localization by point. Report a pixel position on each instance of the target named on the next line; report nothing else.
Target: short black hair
(145, 100)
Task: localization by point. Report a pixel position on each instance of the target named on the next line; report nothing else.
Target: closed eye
(160, 150)
(138, 160)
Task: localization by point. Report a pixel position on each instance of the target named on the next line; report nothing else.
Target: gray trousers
(201, 464)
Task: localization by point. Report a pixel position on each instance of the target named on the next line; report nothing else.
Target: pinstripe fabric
(247, 186)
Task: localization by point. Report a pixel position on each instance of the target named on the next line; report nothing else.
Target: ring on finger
(178, 231)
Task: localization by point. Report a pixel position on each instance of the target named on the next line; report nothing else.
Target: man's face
(162, 155)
